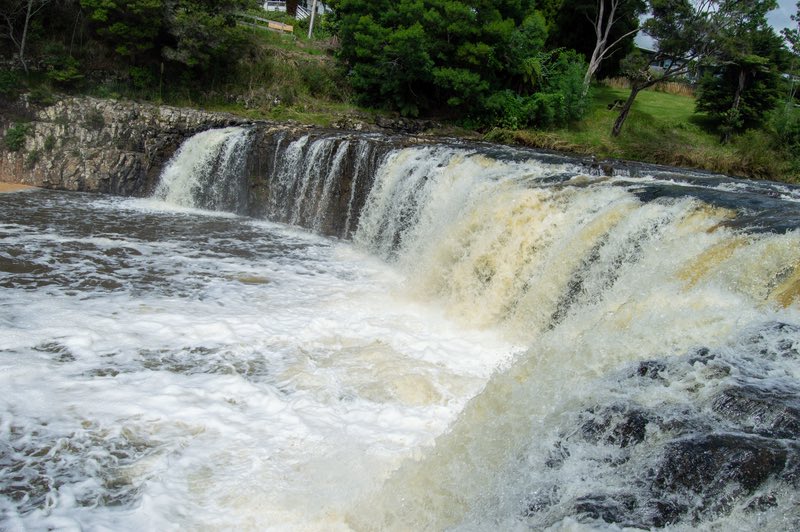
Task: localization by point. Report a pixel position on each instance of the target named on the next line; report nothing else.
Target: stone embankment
(98, 145)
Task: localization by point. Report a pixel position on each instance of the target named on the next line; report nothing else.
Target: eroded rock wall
(97, 145)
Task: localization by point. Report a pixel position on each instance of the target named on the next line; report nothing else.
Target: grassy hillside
(662, 128)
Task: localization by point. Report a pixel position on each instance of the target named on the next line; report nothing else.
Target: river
(497, 340)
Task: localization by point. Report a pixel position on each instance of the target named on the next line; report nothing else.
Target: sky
(779, 18)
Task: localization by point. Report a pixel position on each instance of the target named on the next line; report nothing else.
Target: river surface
(176, 369)
(506, 343)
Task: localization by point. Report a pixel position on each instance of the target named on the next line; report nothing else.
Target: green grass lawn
(661, 128)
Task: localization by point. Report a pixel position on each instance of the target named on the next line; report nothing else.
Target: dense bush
(558, 100)
(15, 136)
(10, 84)
(784, 124)
(477, 59)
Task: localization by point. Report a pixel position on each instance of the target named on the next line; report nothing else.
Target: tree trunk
(623, 114)
(291, 7)
(594, 64)
(733, 114)
(25, 36)
(737, 97)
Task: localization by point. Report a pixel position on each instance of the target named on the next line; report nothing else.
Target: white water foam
(236, 374)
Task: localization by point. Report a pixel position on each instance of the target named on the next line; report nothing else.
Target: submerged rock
(724, 436)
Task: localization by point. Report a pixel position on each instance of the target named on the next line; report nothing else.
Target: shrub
(142, 78)
(15, 136)
(9, 84)
(32, 158)
(42, 95)
(558, 101)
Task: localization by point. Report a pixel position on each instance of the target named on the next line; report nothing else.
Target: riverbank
(13, 187)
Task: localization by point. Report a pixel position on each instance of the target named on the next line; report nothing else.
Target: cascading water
(207, 172)
(319, 183)
(538, 347)
(659, 386)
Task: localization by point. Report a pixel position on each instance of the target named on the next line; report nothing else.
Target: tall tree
(603, 31)
(744, 83)
(607, 15)
(191, 33)
(792, 36)
(17, 15)
(419, 54)
(687, 33)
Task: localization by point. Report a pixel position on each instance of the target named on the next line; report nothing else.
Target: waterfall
(207, 172)
(320, 183)
(661, 318)
(660, 310)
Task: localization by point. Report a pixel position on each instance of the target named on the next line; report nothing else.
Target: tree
(131, 27)
(477, 58)
(187, 33)
(792, 36)
(744, 83)
(687, 33)
(570, 30)
(17, 15)
(608, 14)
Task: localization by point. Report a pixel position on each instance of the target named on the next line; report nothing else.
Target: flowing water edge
(488, 339)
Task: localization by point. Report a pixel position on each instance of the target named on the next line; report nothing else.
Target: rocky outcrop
(699, 436)
(98, 145)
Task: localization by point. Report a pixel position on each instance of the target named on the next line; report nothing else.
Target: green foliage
(558, 100)
(744, 82)
(65, 72)
(131, 27)
(486, 60)
(572, 28)
(15, 136)
(10, 84)
(142, 77)
(32, 158)
(42, 95)
(199, 35)
(755, 150)
(784, 124)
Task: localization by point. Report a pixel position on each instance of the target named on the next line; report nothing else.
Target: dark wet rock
(651, 369)
(707, 464)
(725, 435)
(60, 352)
(776, 340)
(762, 503)
(616, 426)
(405, 125)
(609, 508)
(768, 412)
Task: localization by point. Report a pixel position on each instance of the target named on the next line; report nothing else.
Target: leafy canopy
(480, 58)
(191, 33)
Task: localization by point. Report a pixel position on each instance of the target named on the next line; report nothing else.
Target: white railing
(275, 6)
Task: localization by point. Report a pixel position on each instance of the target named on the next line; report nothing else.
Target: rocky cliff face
(96, 145)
